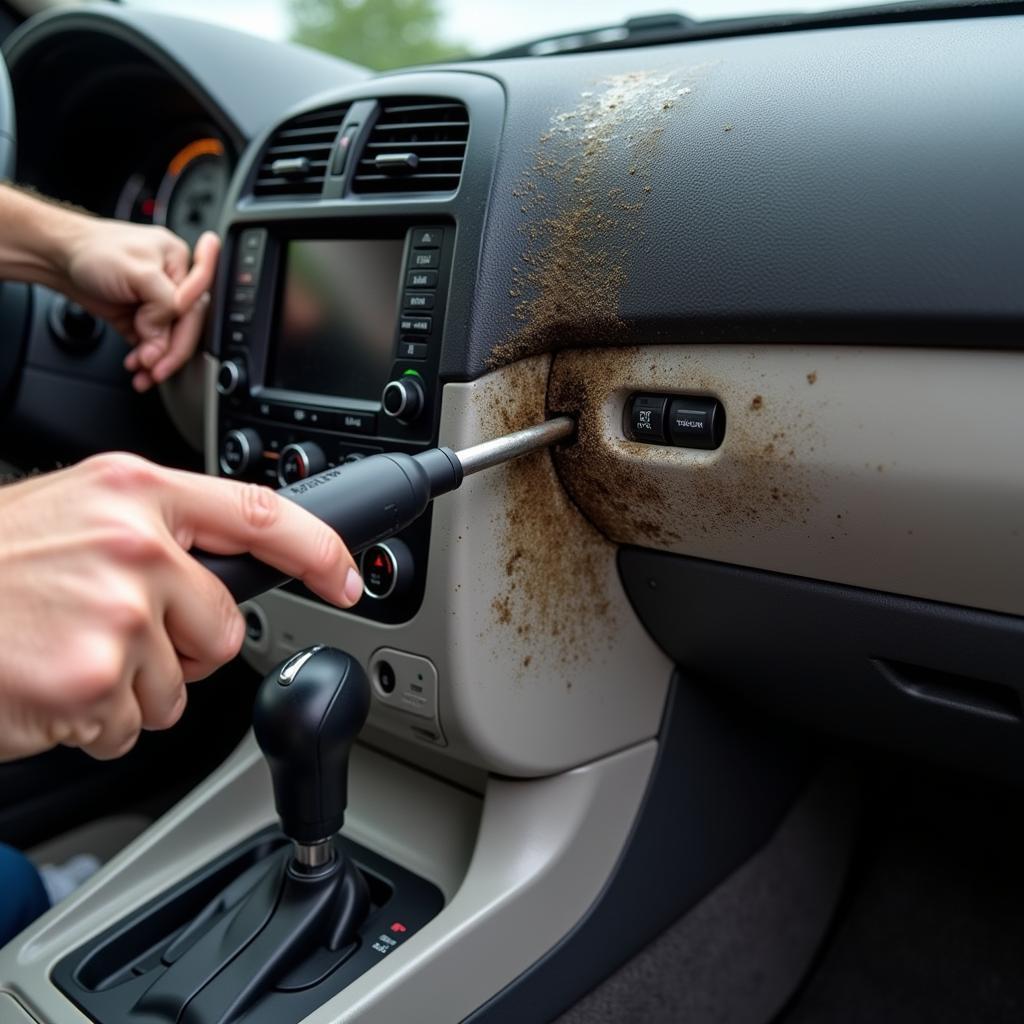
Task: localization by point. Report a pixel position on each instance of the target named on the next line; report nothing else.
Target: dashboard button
(380, 571)
(421, 279)
(243, 296)
(355, 422)
(647, 418)
(252, 239)
(415, 324)
(275, 411)
(412, 350)
(242, 317)
(387, 569)
(427, 238)
(696, 422)
(425, 259)
(418, 300)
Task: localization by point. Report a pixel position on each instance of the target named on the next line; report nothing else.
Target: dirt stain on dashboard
(663, 497)
(552, 606)
(582, 202)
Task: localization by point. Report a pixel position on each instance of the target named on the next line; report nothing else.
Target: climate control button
(239, 450)
(297, 461)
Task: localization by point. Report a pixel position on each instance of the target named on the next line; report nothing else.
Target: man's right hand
(104, 616)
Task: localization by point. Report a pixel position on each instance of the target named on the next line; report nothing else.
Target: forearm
(35, 237)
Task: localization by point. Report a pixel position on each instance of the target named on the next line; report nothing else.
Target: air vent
(295, 161)
(417, 145)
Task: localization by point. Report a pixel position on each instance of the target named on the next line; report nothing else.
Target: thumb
(156, 311)
(200, 277)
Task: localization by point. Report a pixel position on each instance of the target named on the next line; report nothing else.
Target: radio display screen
(336, 321)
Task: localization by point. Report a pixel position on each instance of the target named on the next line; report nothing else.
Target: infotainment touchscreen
(336, 320)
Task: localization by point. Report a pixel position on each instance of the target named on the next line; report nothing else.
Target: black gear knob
(308, 713)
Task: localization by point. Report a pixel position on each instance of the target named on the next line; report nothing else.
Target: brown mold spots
(575, 225)
(645, 494)
(812, 377)
(553, 566)
(757, 403)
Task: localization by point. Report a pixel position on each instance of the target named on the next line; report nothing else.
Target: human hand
(138, 279)
(104, 616)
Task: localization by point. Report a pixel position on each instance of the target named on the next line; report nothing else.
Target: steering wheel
(13, 298)
(6, 123)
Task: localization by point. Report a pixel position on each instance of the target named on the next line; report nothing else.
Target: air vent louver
(417, 145)
(294, 163)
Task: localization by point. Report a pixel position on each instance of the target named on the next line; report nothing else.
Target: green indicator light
(410, 373)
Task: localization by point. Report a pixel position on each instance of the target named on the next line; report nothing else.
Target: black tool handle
(364, 502)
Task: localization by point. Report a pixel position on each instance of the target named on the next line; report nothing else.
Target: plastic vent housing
(418, 144)
(295, 161)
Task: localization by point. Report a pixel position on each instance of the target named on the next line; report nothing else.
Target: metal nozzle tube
(512, 446)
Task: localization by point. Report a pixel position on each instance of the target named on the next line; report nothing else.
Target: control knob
(231, 377)
(403, 399)
(239, 449)
(298, 461)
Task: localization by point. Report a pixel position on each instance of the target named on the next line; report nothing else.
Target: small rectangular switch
(696, 422)
(647, 418)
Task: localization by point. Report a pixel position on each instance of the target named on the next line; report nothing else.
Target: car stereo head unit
(330, 348)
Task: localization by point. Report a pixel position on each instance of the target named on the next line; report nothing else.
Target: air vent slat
(410, 177)
(406, 126)
(434, 131)
(419, 108)
(306, 133)
(420, 145)
(309, 138)
(300, 148)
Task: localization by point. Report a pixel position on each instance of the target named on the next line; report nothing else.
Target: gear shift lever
(312, 904)
(306, 717)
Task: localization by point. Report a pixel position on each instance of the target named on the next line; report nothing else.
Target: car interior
(708, 708)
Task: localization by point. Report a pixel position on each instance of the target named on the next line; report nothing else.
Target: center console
(330, 352)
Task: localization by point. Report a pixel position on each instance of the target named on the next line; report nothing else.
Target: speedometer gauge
(191, 194)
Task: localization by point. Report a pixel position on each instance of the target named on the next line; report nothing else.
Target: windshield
(384, 34)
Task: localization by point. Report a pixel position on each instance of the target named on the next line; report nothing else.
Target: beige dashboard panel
(541, 662)
(12, 1012)
(897, 469)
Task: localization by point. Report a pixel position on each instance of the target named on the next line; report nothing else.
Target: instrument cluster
(181, 184)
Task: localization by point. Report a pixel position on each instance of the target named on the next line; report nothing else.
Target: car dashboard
(644, 239)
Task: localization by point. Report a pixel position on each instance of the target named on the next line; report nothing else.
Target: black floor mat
(932, 929)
